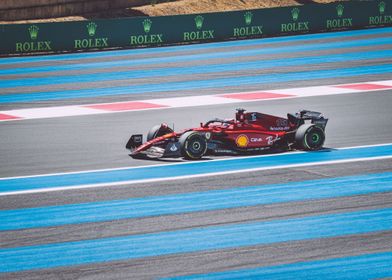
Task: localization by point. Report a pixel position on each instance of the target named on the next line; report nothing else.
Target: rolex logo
(296, 25)
(295, 13)
(91, 28)
(381, 7)
(34, 45)
(340, 10)
(147, 25)
(199, 22)
(248, 18)
(33, 31)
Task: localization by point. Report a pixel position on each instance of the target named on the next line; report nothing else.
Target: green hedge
(167, 30)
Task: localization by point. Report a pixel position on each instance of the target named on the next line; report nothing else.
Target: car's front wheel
(309, 137)
(193, 145)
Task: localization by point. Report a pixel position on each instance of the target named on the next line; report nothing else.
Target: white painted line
(54, 189)
(182, 163)
(314, 91)
(53, 112)
(86, 186)
(383, 83)
(156, 165)
(193, 101)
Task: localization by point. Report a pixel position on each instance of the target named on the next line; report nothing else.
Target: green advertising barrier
(169, 30)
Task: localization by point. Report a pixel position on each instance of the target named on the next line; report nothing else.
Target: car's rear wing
(316, 118)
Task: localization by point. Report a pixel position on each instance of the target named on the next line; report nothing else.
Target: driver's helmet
(240, 115)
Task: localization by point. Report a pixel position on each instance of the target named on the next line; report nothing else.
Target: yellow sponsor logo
(242, 141)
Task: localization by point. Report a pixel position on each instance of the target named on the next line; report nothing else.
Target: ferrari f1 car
(247, 133)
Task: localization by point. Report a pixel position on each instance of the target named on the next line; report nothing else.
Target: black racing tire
(157, 131)
(193, 145)
(309, 137)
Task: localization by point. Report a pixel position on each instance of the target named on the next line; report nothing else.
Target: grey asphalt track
(70, 144)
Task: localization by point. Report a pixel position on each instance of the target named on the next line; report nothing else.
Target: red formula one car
(248, 133)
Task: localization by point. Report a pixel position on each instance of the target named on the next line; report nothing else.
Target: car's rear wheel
(309, 137)
(158, 131)
(193, 145)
